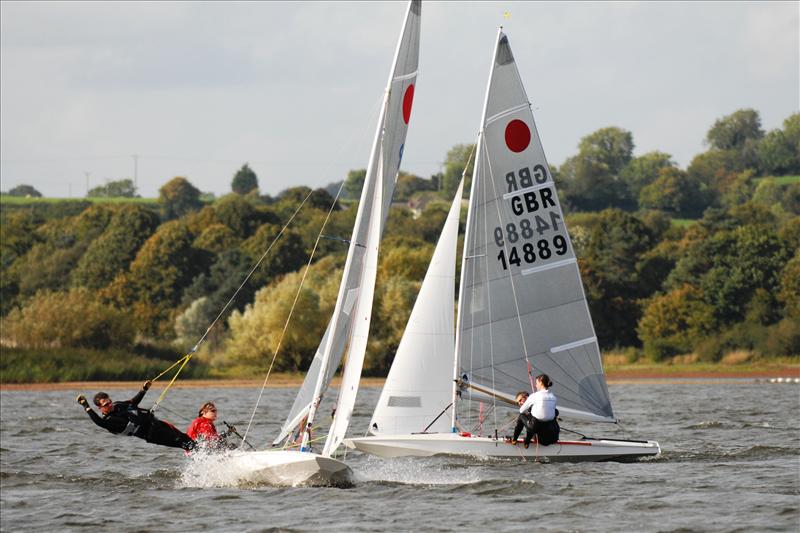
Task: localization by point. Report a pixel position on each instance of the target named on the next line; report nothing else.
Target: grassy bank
(780, 367)
(26, 201)
(19, 366)
(54, 366)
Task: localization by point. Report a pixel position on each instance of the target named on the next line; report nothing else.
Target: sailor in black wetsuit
(128, 419)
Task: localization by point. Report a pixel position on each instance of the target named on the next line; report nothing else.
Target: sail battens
(555, 264)
(520, 295)
(527, 189)
(571, 345)
(405, 76)
(507, 112)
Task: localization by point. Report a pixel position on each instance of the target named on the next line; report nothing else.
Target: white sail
(382, 171)
(521, 299)
(360, 335)
(521, 307)
(417, 389)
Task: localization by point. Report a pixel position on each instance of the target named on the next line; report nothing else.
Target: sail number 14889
(529, 253)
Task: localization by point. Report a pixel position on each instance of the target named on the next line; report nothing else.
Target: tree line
(153, 278)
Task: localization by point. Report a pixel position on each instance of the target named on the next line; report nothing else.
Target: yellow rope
(173, 365)
(182, 361)
(297, 444)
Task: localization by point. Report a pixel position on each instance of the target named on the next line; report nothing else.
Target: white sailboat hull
(429, 444)
(286, 468)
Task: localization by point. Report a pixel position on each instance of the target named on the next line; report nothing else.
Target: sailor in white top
(542, 404)
(537, 414)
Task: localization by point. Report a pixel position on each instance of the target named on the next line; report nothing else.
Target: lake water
(730, 462)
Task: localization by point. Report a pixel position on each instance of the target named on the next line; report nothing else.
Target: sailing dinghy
(521, 310)
(348, 327)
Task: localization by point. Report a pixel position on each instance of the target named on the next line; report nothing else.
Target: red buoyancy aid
(202, 428)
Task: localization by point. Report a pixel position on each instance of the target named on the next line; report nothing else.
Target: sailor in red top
(202, 428)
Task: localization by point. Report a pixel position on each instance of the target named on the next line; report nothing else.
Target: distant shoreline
(614, 376)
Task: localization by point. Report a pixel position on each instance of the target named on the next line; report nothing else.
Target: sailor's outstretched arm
(138, 398)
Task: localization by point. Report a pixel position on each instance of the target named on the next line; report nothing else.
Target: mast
(377, 174)
(370, 184)
(467, 230)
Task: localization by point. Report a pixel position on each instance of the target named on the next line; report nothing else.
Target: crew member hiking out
(128, 419)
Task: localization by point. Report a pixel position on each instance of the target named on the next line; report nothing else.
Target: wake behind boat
(521, 309)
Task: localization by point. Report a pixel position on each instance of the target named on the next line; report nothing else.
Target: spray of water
(205, 469)
(415, 471)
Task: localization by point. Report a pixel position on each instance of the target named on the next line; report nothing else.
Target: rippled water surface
(730, 462)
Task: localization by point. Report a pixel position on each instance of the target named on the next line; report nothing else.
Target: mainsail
(384, 164)
(521, 299)
(417, 389)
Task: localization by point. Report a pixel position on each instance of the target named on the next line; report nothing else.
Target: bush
(67, 319)
(674, 322)
(781, 339)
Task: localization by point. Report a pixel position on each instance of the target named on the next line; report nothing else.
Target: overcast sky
(197, 89)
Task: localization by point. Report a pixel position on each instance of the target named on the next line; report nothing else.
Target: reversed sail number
(525, 229)
(529, 252)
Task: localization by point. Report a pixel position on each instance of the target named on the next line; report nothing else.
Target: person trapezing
(128, 419)
(204, 432)
(538, 414)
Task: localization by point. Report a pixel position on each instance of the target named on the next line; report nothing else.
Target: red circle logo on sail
(518, 135)
(408, 99)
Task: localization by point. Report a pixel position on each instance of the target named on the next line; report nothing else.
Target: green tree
(178, 197)
(612, 275)
(733, 131)
(239, 214)
(287, 254)
(217, 286)
(730, 265)
(354, 183)
(740, 189)
(643, 170)
(112, 252)
(716, 168)
(114, 189)
(192, 323)
(776, 155)
(164, 266)
(24, 191)
(789, 284)
(244, 181)
(290, 199)
(60, 244)
(593, 177)
(459, 161)
(256, 332)
(68, 319)
(408, 184)
(674, 192)
(675, 322)
(791, 132)
(216, 239)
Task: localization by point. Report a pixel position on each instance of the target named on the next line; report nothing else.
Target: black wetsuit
(127, 418)
(546, 431)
